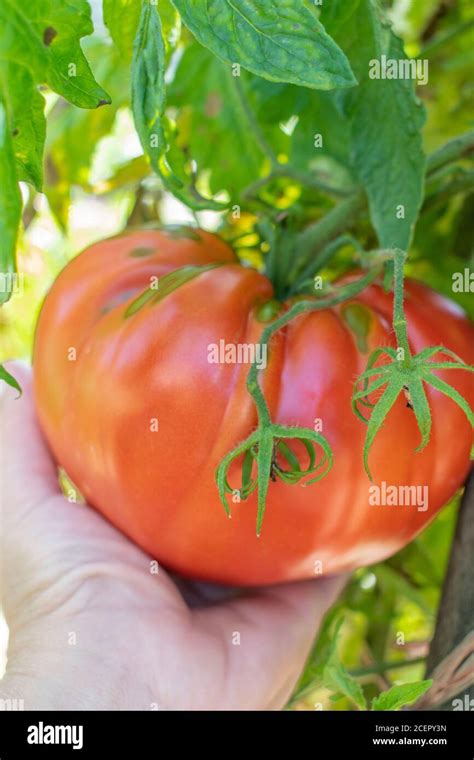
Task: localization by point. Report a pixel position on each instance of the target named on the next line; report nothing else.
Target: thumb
(28, 486)
(27, 472)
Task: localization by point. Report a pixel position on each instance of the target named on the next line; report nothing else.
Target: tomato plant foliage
(38, 46)
(265, 121)
(282, 42)
(389, 146)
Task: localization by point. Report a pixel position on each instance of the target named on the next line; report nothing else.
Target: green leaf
(82, 129)
(386, 120)
(39, 44)
(337, 678)
(156, 131)
(211, 125)
(43, 36)
(315, 112)
(321, 117)
(10, 200)
(398, 696)
(127, 174)
(282, 42)
(25, 106)
(422, 411)
(121, 17)
(452, 393)
(9, 379)
(379, 415)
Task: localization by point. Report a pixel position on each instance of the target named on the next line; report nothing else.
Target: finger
(267, 636)
(27, 472)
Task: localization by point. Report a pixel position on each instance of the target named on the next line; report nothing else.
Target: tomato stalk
(281, 238)
(285, 171)
(317, 235)
(306, 278)
(399, 319)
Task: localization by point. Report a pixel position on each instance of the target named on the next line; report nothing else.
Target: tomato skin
(99, 408)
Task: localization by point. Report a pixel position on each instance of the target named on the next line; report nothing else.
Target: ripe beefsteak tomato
(140, 418)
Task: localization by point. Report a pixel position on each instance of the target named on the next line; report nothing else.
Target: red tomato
(140, 419)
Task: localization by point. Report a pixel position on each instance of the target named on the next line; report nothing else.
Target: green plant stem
(383, 667)
(315, 237)
(320, 260)
(441, 39)
(377, 668)
(451, 151)
(251, 192)
(461, 182)
(260, 138)
(307, 179)
(399, 320)
(320, 234)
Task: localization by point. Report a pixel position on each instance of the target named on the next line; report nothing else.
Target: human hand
(91, 628)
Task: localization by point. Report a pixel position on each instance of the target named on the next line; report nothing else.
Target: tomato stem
(399, 319)
(303, 279)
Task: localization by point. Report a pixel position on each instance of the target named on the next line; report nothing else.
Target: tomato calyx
(261, 447)
(404, 373)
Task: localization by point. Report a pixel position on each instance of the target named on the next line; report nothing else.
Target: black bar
(373, 734)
